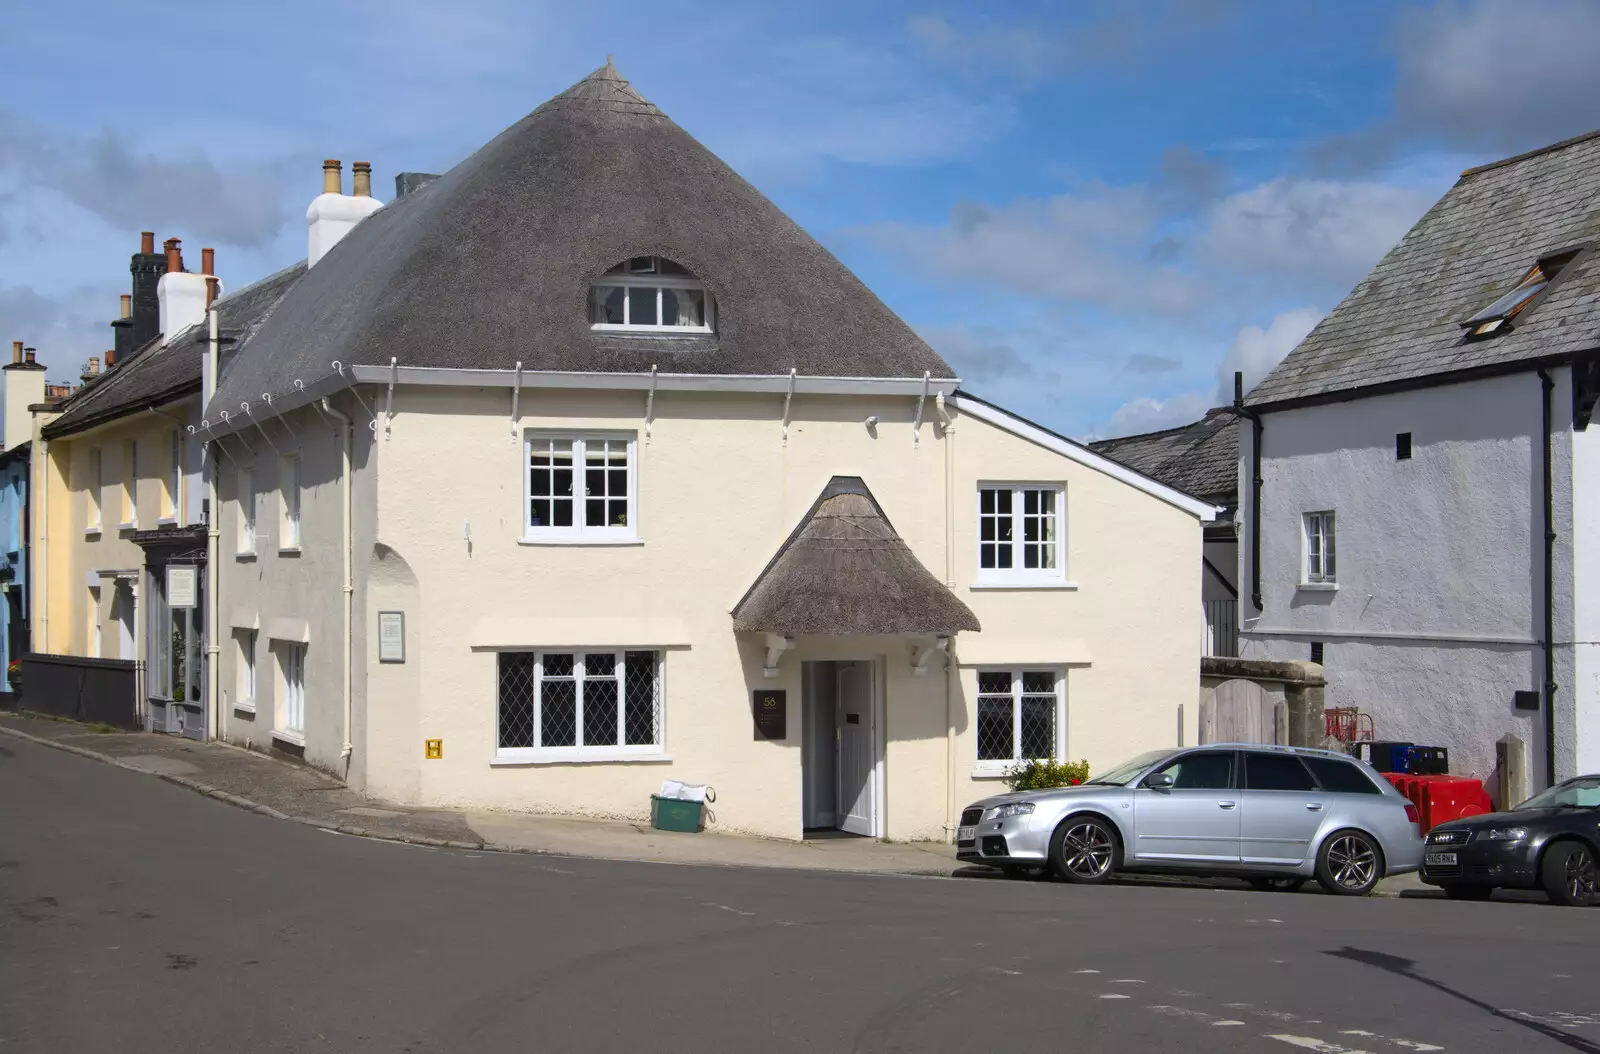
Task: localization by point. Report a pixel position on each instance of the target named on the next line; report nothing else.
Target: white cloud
(1256, 351)
(1152, 415)
(983, 355)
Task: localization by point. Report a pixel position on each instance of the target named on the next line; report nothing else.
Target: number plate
(1440, 860)
(966, 834)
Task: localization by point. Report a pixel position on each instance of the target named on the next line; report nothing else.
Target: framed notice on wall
(181, 586)
(391, 636)
(771, 713)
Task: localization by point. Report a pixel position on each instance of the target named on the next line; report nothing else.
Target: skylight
(1494, 317)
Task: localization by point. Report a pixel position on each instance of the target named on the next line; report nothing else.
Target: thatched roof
(491, 264)
(845, 572)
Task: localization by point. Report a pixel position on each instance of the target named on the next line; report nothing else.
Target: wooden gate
(1240, 711)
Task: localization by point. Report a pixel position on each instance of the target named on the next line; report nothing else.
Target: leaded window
(1019, 716)
(557, 703)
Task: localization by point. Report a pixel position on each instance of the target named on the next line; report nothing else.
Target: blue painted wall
(13, 558)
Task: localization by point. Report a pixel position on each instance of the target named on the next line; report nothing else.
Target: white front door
(858, 751)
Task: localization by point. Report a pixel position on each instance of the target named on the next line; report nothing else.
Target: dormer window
(650, 294)
(1497, 315)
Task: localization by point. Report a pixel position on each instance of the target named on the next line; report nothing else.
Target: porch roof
(844, 571)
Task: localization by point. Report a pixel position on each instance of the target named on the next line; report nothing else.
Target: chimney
(21, 385)
(333, 215)
(182, 295)
(411, 182)
(147, 266)
(361, 179)
(208, 261)
(127, 306)
(111, 359)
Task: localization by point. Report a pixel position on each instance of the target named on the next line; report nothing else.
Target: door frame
(877, 743)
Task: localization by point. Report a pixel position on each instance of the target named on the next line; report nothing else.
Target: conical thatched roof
(491, 264)
(844, 571)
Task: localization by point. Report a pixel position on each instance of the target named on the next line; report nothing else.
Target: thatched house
(544, 426)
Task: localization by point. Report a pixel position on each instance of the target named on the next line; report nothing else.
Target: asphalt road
(136, 916)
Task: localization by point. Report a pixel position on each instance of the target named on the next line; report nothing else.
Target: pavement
(287, 790)
(137, 916)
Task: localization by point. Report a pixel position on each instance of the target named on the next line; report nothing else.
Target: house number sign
(391, 636)
(771, 713)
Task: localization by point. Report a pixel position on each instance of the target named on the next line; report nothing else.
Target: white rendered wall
(1585, 679)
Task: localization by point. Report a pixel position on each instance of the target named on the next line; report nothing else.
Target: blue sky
(1095, 211)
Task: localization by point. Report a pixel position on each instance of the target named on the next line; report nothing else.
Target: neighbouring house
(21, 386)
(588, 468)
(1429, 479)
(1200, 458)
(119, 526)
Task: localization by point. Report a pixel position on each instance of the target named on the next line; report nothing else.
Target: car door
(1281, 811)
(1196, 820)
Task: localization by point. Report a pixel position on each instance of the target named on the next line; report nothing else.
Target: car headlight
(1506, 834)
(1016, 808)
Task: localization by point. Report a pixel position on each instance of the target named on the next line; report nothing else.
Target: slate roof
(160, 373)
(1402, 322)
(844, 570)
(1201, 458)
(491, 264)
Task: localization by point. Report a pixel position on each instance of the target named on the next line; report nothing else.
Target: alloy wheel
(1087, 850)
(1580, 875)
(1352, 861)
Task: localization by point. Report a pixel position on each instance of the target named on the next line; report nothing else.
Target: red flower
(1076, 782)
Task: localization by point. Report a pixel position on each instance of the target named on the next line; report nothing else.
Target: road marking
(1321, 1047)
(1408, 1044)
(1559, 1018)
(1086, 971)
(1275, 1015)
(1113, 995)
(1127, 980)
(1225, 1024)
(724, 907)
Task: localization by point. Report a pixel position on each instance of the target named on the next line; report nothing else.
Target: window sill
(1042, 584)
(984, 772)
(557, 540)
(245, 554)
(658, 331)
(245, 706)
(562, 757)
(1318, 587)
(128, 526)
(296, 738)
(167, 521)
(92, 532)
(288, 550)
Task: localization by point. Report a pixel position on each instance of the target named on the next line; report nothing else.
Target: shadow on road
(1407, 968)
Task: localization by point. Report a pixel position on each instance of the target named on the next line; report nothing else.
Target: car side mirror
(1159, 781)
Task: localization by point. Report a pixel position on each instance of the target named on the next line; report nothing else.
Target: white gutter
(670, 382)
(349, 589)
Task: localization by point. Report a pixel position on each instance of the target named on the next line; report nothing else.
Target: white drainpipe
(208, 466)
(952, 684)
(349, 588)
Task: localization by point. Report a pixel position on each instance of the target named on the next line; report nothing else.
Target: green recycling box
(670, 814)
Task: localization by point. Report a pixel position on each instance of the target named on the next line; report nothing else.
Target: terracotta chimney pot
(174, 256)
(208, 261)
(111, 359)
(127, 306)
(16, 351)
(362, 179)
(147, 242)
(332, 182)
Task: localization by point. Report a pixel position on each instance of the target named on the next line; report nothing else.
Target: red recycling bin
(1452, 798)
(1413, 787)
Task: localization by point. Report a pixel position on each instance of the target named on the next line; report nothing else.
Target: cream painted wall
(718, 492)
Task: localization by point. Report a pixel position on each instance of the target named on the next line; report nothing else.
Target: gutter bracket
(394, 375)
(777, 644)
(650, 404)
(787, 399)
(924, 649)
(916, 424)
(516, 400)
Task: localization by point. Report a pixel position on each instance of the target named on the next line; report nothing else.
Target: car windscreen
(1581, 793)
(1124, 773)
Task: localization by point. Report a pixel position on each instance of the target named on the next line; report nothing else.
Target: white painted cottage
(1426, 480)
(582, 467)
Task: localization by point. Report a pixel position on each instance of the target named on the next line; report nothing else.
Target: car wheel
(1084, 850)
(1277, 885)
(1349, 864)
(1568, 874)
(1469, 892)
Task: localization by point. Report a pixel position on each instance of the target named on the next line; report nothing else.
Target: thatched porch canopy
(845, 572)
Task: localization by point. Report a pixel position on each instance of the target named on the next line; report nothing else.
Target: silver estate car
(1273, 815)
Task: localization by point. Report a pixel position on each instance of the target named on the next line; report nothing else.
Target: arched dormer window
(650, 294)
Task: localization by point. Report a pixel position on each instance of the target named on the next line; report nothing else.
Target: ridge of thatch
(844, 571)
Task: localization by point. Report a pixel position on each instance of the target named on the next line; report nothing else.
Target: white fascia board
(660, 381)
(1084, 456)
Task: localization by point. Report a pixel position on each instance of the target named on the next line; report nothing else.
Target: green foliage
(1042, 774)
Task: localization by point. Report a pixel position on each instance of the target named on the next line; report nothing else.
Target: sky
(1096, 212)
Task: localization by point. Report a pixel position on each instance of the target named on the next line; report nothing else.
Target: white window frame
(1016, 576)
(618, 751)
(244, 641)
(174, 483)
(245, 500)
(96, 492)
(290, 720)
(131, 486)
(289, 504)
(657, 282)
(1318, 529)
(994, 766)
(578, 534)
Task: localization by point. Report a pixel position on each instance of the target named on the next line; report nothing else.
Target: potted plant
(1045, 773)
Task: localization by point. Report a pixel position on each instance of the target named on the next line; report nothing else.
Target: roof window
(650, 294)
(1494, 318)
